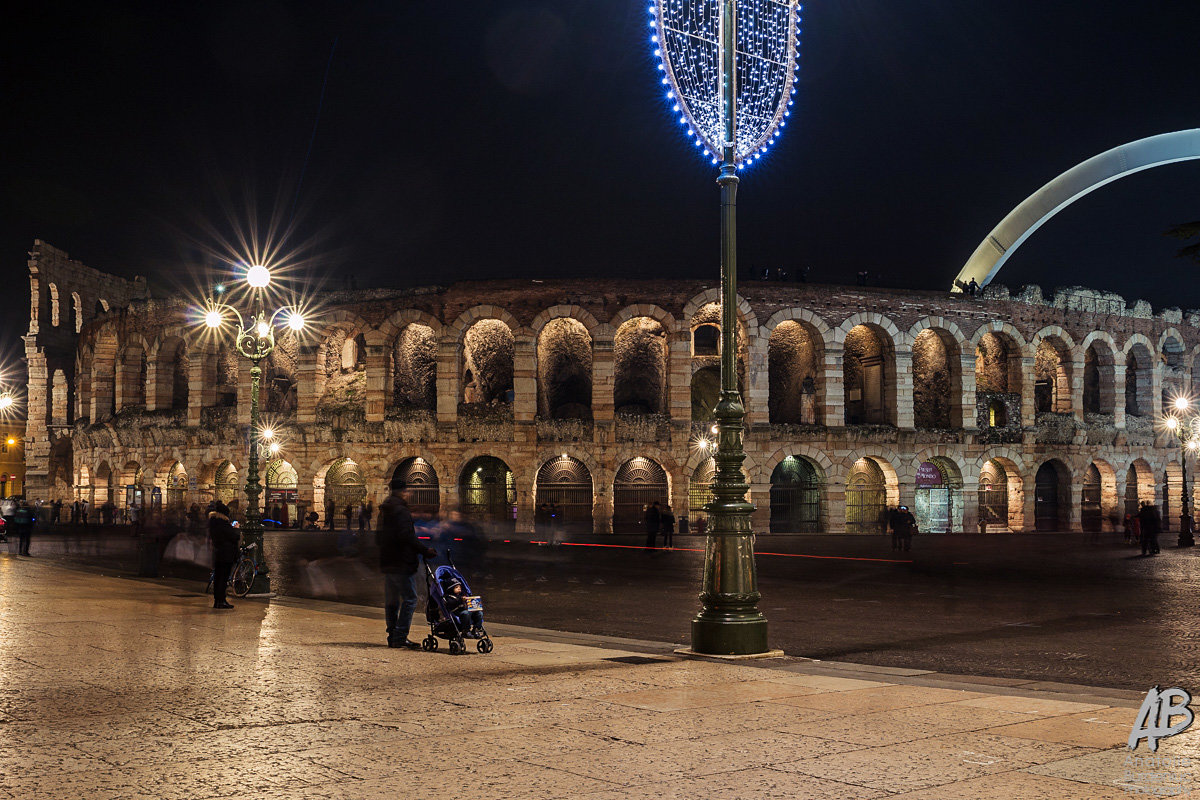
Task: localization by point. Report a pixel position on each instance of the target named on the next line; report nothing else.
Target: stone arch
(59, 399)
(1098, 354)
(481, 312)
(412, 338)
(487, 362)
(132, 374)
(103, 484)
(564, 368)
(1170, 347)
(1140, 367)
(1052, 496)
(564, 311)
(338, 483)
(424, 483)
(938, 502)
(488, 491)
(340, 379)
(796, 380)
(708, 296)
(869, 343)
(637, 481)
(564, 490)
(1098, 171)
(1001, 490)
(1053, 370)
(798, 485)
(103, 373)
(54, 305)
(641, 364)
(705, 383)
(1098, 496)
(1140, 485)
(999, 367)
(871, 487)
(170, 360)
(937, 366)
(76, 312)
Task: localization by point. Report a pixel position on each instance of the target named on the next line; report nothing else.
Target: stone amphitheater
(500, 399)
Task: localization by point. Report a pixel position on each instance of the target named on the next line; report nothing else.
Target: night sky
(486, 139)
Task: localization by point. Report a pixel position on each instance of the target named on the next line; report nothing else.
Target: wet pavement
(1043, 607)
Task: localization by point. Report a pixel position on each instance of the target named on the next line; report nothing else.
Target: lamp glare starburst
(685, 36)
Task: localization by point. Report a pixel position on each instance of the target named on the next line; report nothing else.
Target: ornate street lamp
(1184, 424)
(728, 68)
(255, 340)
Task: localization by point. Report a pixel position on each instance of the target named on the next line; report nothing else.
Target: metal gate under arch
(639, 482)
(423, 489)
(866, 498)
(795, 497)
(488, 491)
(993, 496)
(225, 484)
(566, 485)
(1090, 513)
(344, 484)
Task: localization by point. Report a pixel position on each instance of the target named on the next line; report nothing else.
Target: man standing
(224, 538)
(23, 519)
(1150, 521)
(653, 520)
(398, 551)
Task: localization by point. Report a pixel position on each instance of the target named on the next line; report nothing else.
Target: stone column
(970, 501)
(376, 360)
(127, 376)
(37, 435)
(602, 507)
(969, 415)
(1028, 397)
(833, 504)
(903, 401)
(603, 378)
(1156, 384)
(679, 375)
(832, 390)
(154, 385)
(525, 388)
(760, 519)
(447, 382)
(757, 385)
(1077, 389)
(310, 385)
(1119, 396)
(202, 385)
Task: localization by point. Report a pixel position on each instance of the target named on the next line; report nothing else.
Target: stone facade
(952, 404)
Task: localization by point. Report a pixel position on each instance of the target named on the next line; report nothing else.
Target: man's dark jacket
(224, 538)
(397, 538)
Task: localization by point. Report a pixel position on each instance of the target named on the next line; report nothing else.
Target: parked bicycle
(243, 574)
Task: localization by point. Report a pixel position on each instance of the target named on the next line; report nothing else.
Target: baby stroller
(449, 598)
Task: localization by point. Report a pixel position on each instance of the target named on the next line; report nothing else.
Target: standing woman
(225, 539)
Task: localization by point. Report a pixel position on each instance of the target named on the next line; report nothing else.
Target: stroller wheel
(455, 649)
(484, 645)
(429, 644)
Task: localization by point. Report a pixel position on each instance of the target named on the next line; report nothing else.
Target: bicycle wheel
(243, 577)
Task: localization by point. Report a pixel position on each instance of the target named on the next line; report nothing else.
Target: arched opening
(226, 487)
(639, 482)
(488, 348)
(938, 502)
(414, 368)
(488, 491)
(997, 364)
(640, 368)
(997, 414)
(282, 494)
(422, 480)
(1091, 513)
(706, 340)
(103, 484)
(54, 312)
(1098, 380)
(279, 392)
(706, 391)
(1139, 382)
(132, 489)
(564, 494)
(1172, 352)
(794, 374)
(866, 498)
(795, 496)
(564, 363)
(180, 366)
(1052, 377)
(869, 376)
(1139, 486)
(1052, 493)
(344, 486)
(700, 493)
(131, 389)
(994, 488)
(177, 484)
(937, 366)
(345, 373)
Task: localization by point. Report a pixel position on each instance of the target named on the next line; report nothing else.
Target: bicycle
(243, 574)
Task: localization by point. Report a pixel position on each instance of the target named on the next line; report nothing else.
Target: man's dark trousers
(399, 603)
(221, 570)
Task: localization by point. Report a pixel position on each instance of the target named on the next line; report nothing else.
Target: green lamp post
(1184, 424)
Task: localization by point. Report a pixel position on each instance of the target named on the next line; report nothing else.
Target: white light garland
(686, 40)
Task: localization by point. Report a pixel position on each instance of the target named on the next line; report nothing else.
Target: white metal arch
(1101, 170)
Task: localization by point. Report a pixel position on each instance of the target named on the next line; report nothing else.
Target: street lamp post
(734, 107)
(255, 341)
(1184, 424)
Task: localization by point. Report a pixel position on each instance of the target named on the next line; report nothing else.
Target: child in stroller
(452, 611)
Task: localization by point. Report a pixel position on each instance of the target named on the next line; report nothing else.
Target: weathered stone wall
(413, 349)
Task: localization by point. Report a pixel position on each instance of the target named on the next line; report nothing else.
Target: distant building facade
(504, 399)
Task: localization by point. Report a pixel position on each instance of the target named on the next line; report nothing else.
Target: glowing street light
(6, 402)
(728, 69)
(255, 339)
(1184, 425)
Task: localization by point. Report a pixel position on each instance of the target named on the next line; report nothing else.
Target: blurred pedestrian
(348, 513)
(224, 539)
(667, 523)
(330, 511)
(1151, 525)
(399, 549)
(653, 520)
(23, 519)
(370, 513)
(904, 525)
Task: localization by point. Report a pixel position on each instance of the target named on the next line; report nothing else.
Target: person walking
(348, 513)
(224, 539)
(370, 512)
(330, 510)
(398, 552)
(667, 523)
(1151, 525)
(653, 521)
(23, 519)
(904, 526)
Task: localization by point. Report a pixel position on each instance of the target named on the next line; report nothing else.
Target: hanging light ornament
(686, 36)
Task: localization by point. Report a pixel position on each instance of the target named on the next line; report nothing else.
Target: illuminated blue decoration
(687, 43)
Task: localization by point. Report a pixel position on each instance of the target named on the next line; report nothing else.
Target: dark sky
(493, 138)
